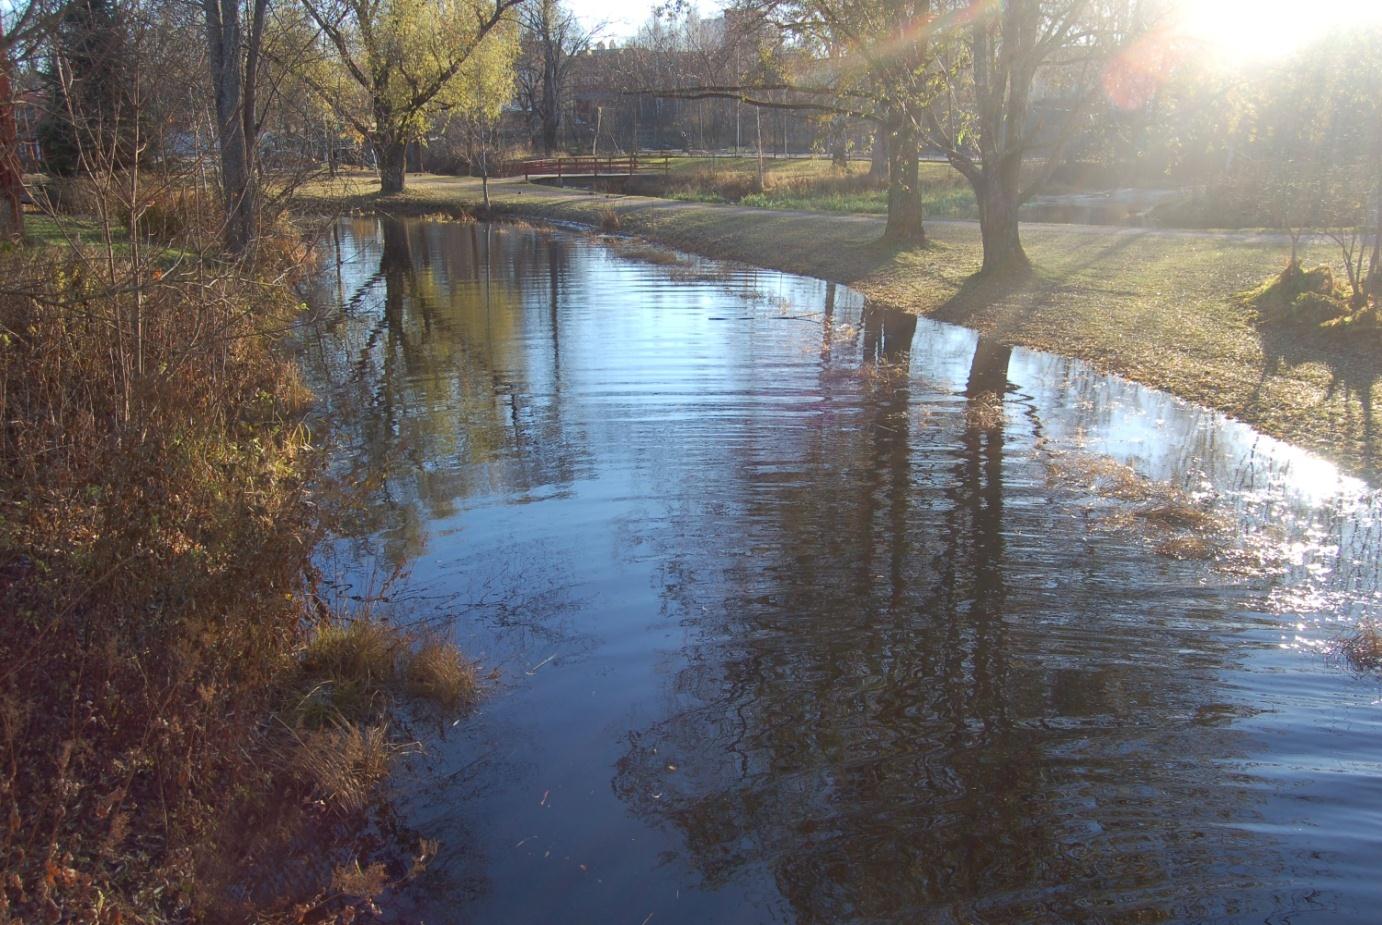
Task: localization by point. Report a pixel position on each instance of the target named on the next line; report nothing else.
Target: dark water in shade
(792, 622)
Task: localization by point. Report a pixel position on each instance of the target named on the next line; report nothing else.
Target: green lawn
(61, 230)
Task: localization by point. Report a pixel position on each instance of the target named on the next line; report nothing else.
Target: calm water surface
(802, 610)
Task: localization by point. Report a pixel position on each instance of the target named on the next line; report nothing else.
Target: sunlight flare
(1259, 29)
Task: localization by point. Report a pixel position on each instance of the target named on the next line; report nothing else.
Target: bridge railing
(587, 166)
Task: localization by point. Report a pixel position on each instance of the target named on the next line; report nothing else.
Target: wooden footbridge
(585, 168)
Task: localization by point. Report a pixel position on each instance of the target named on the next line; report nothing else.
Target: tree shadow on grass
(1352, 362)
(999, 303)
(979, 295)
(845, 249)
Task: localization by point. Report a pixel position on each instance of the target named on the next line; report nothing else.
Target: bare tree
(234, 57)
(28, 23)
(985, 120)
(553, 37)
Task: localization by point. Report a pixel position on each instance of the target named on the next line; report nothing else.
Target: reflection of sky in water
(1288, 503)
(895, 667)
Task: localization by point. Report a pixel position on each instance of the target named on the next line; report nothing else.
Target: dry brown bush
(156, 529)
(153, 546)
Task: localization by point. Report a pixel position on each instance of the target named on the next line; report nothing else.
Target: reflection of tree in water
(439, 385)
(877, 720)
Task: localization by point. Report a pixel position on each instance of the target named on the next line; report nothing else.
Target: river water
(797, 609)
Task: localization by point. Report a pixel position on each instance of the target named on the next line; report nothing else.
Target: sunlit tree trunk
(999, 200)
(904, 186)
(391, 150)
(878, 157)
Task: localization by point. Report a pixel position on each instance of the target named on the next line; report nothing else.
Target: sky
(1241, 29)
(1263, 29)
(622, 18)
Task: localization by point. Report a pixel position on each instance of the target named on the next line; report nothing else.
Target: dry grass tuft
(354, 880)
(885, 374)
(436, 672)
(610, 221)
(354, 667)
(659, 256)
(1186, 547)
(362, 650)
(1165, 515)
(345, 763)
(985, 412)
(1107, 477)
(1176, 514)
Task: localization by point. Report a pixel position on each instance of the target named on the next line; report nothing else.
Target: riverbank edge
(1163, 309)
(196, 729)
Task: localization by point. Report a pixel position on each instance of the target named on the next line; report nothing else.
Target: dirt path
(1157, 306)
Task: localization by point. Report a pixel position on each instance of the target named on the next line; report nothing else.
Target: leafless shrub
(1361, 649)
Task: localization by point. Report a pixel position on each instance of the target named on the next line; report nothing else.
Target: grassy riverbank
(807, 184)
(1160, 307)
(187, 731)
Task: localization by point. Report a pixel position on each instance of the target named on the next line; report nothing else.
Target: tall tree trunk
(551, 92)
(998, 194)
(904, 188)
(392, 153)
(11, 174)
(552, 55)
(1374, 277)
(551, 130)
(224, 40)
(878, 156)
(839, 143)
(484, 163)
(249, 210)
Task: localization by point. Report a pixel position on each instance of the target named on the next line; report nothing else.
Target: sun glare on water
(1259, 29)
